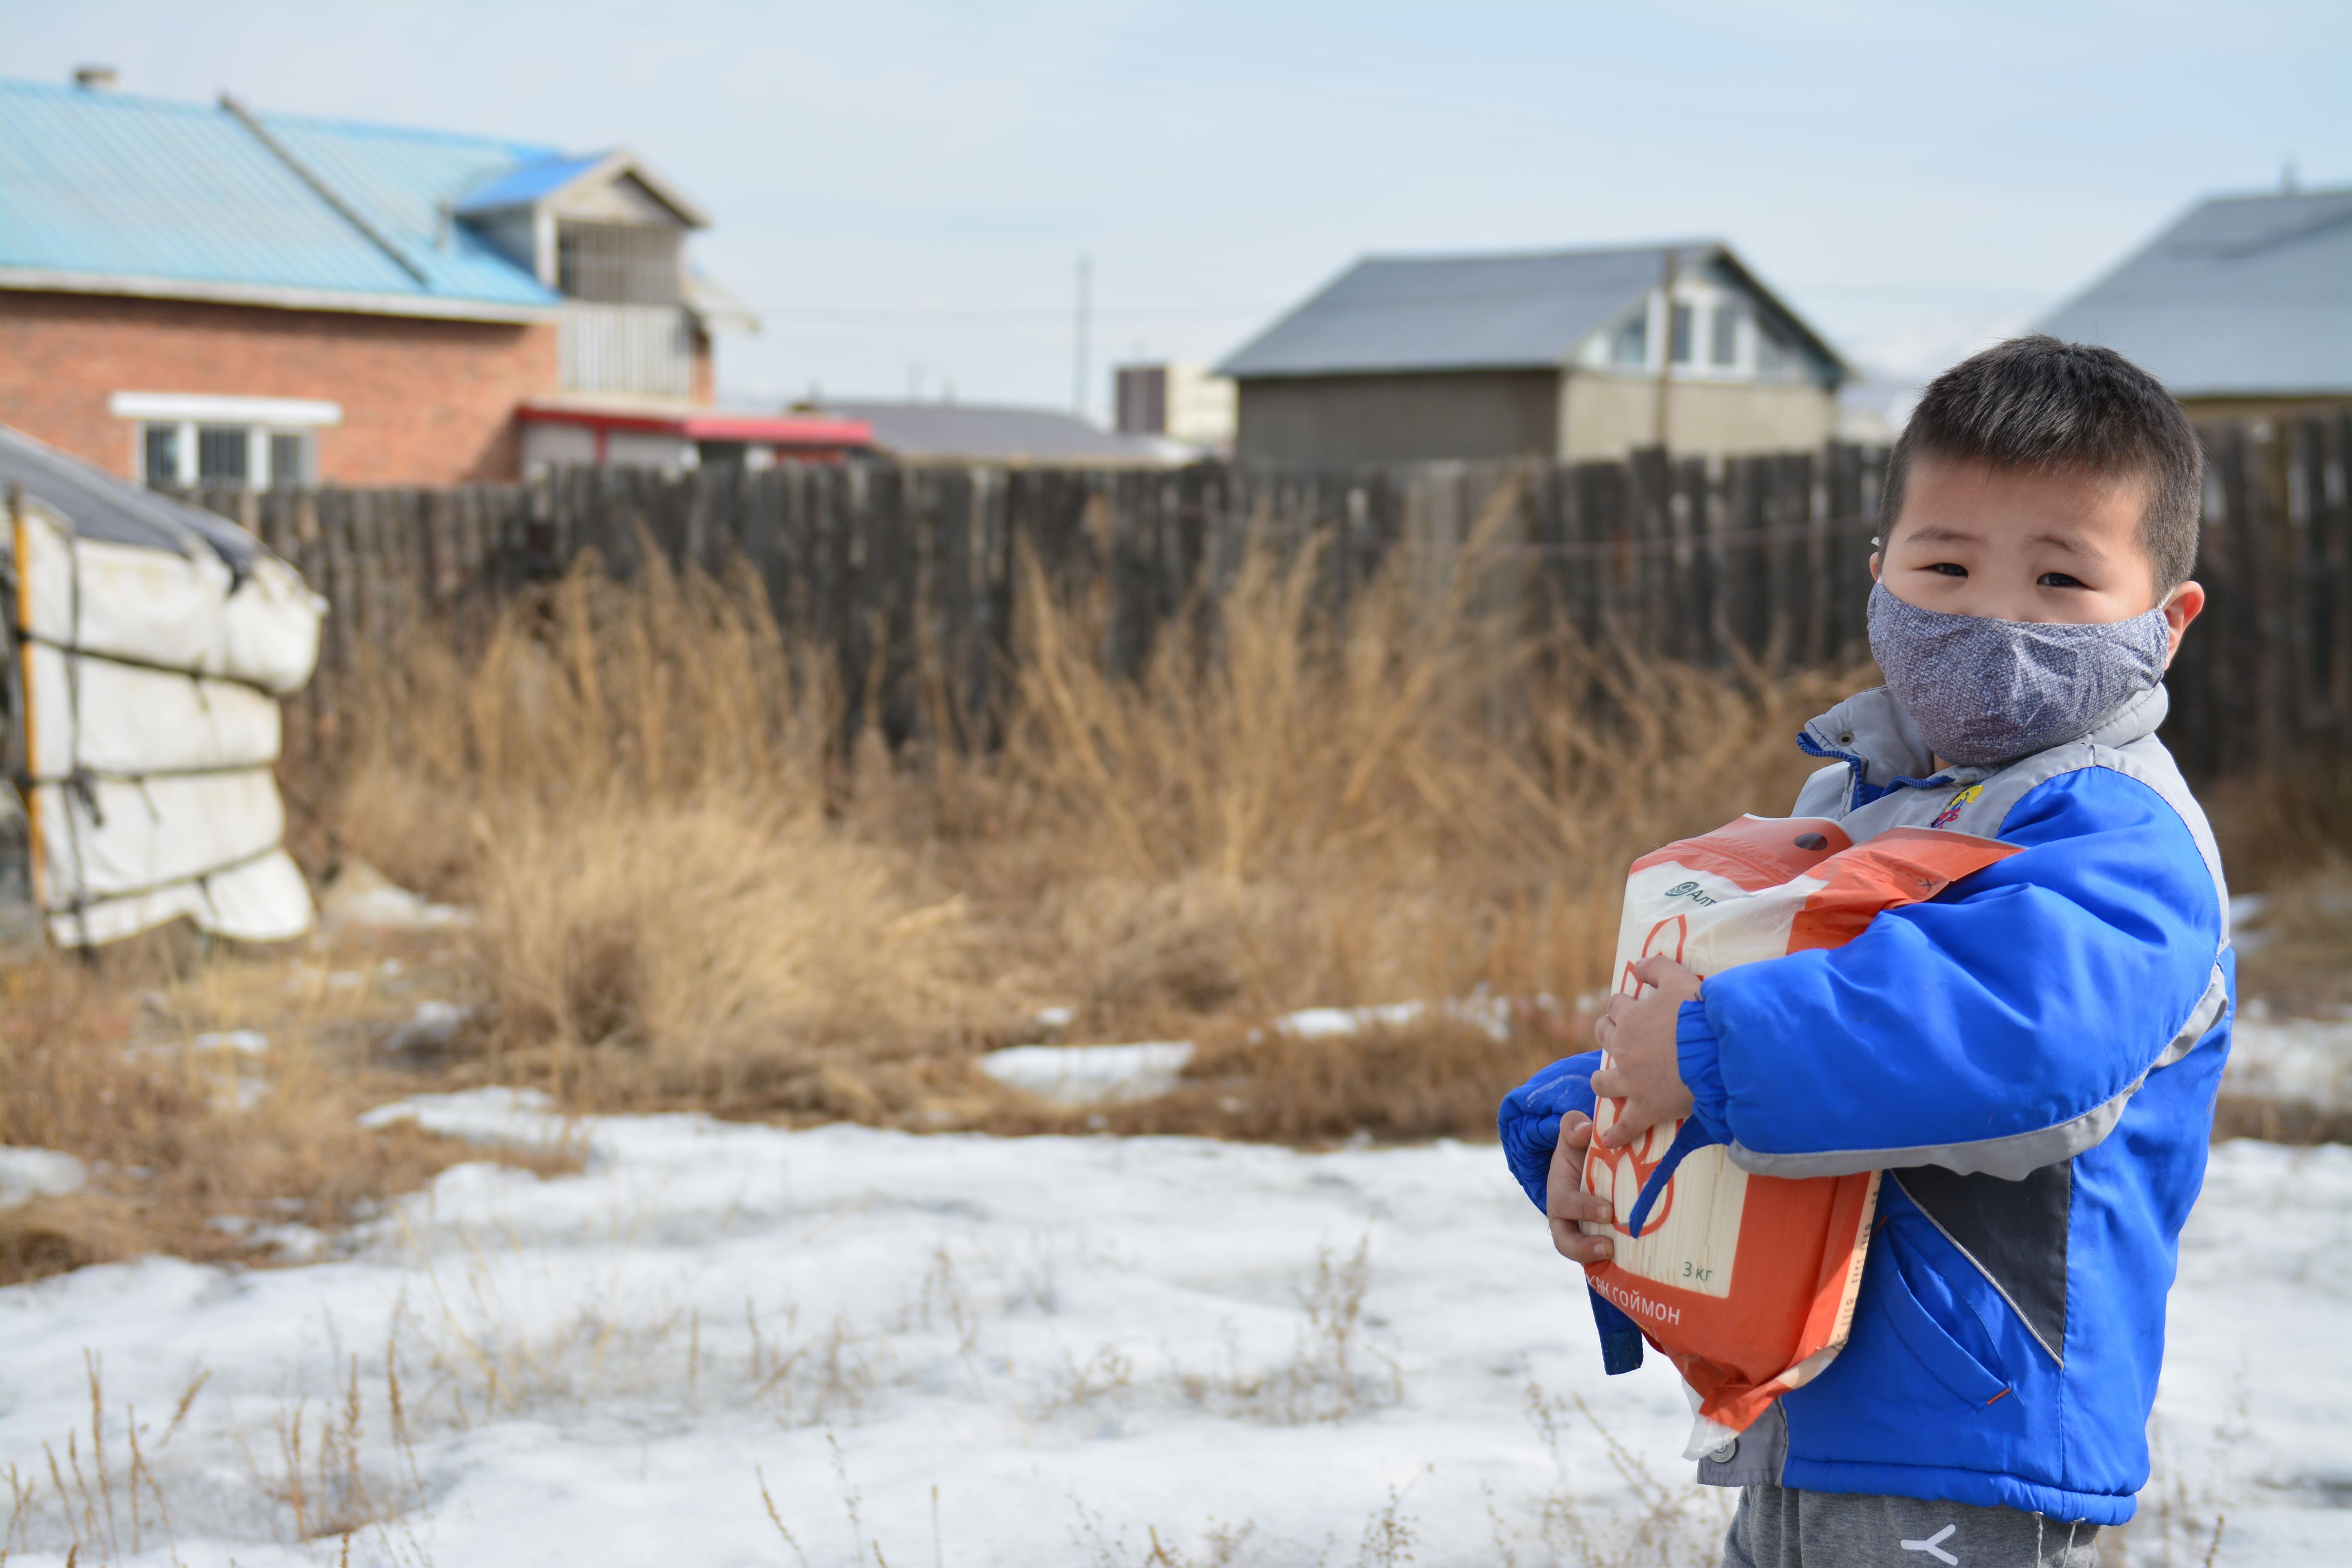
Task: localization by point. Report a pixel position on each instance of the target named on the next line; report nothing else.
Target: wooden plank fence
(1760, 561)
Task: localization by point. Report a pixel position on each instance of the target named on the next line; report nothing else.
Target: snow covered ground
(959, 1350)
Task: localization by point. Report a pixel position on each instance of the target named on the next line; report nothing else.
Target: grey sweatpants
(1780, 1527)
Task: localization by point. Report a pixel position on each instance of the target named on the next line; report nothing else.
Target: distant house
(1574, 354)
(2243, 307)
(209, 293)
(1183, 401)
(1011, 437)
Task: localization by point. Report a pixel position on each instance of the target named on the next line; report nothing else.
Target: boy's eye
(2058, 580)
(1950, 568)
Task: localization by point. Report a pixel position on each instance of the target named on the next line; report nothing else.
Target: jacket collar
(1872, 734)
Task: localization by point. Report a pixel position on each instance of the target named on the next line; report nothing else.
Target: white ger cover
(151, 678)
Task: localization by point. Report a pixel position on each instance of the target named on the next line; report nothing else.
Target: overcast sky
(903, 188)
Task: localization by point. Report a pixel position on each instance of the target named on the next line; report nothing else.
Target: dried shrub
(693, 890)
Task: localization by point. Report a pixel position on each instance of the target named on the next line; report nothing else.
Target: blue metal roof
(108, 185)
(2245, 296)
(528, 183)
(1388, 314)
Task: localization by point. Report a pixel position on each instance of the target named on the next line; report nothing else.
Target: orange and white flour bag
(1747, 1282)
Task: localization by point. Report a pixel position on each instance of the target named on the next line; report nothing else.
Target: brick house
(192, 293)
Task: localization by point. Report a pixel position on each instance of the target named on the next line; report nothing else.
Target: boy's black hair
(2037, 403)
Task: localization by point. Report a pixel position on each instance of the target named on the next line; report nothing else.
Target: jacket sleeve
(1529, 1119)
(1528, 1122)
(1998, 1027)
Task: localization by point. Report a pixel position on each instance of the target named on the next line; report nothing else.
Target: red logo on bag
(1629, 1172)
(1629, 1168)
(1666, 938)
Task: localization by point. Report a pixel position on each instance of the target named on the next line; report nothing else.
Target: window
(1724, 350)
(160, 454)
(1630, 345)
(243, 455)
(220, 453)
(191, 437)
(1776, 357)
(1682, 333)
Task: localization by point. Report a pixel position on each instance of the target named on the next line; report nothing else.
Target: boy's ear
(1874, 566)
(2180, 606)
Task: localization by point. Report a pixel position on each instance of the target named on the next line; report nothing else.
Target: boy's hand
(1645, 1068)
(1565, 1200)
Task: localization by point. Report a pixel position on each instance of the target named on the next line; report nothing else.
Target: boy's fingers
(1632, 1120)
(1577, 1247)
(1661, 970)
(1576, 1128)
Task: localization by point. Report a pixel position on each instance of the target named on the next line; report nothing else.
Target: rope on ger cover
(129, 662)
(198, 878)
(73, 750)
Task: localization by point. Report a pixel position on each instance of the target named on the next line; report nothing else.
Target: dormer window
(1683, 332)
(1723, 350)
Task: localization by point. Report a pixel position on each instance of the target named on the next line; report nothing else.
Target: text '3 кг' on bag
(1747, 1282)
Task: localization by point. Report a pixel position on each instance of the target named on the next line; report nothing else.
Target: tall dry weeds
(691, 890)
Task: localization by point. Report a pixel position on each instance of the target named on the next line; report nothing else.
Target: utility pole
(1667, 344)
(1086, 281)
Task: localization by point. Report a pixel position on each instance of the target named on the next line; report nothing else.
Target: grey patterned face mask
(1984, 691)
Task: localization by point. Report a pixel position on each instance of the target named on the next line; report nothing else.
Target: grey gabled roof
(1389, 313)
(2244, 296)
(982, 433)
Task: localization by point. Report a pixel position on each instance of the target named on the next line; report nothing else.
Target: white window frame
(1703, 300)
(262, 417)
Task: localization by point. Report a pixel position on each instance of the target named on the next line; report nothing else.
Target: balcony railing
(642, 349)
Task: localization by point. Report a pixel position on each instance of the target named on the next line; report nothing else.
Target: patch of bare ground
(206, 1107)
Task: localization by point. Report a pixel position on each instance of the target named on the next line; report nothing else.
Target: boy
(2032, 1058)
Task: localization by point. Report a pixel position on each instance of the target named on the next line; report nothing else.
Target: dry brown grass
(692, 894)
(2288, 838)
(206, 1154)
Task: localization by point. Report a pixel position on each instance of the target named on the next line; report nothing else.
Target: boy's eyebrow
(1942, 533)
(1947, 533)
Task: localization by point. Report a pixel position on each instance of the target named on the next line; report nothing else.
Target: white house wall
(547, 445)
(645, 449)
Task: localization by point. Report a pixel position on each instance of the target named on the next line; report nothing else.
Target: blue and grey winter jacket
(2032, 1058)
